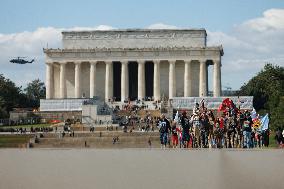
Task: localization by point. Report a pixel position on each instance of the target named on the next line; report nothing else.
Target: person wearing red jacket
(175, 131)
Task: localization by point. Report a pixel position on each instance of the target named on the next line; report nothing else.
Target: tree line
(12, 96)
(267, 88)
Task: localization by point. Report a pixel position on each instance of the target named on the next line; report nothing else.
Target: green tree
(11, 95)
(267, 88)
(3, 113)
(277, 115)
(34, 91)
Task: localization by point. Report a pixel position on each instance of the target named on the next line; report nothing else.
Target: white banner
(245, 102)
(61, 104)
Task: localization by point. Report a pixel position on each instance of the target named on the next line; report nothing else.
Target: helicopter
(21, 60)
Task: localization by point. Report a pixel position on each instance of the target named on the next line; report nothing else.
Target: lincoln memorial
(132, 64)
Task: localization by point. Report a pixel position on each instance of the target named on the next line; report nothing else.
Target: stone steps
(103, 134)
(141, 113)
(153, 113)
(134, 141)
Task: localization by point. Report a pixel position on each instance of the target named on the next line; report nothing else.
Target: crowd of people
(228, 127)
(231, 128)
(141, 105)
(25, 130)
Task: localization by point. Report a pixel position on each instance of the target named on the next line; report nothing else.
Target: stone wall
(134, 38)
(56, 115)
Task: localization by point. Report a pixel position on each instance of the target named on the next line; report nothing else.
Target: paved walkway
(143, 168)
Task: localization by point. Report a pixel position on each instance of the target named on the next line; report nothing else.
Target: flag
(226, 103)
(202, 103)
(264, 122)
(253, 114)
(176, 118)
(256, 123)
(222, 107)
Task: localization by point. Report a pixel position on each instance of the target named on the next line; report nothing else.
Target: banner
(61, 104)
(264, 122)
(242, 102)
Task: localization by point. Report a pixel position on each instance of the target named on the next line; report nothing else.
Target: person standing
(174, 131)
(195, 120)
(204, 129)
(150, 142)
(266, 137)
(185, 129)
(164, 128)
(247, 133)
(282, 138)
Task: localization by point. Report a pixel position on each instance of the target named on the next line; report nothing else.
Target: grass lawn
(12, 141)
(28, 126)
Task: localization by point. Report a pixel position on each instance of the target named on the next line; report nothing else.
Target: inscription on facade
(93, 36)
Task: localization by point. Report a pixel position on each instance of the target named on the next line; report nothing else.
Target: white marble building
(133, 63)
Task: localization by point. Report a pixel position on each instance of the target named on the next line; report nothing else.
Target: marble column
(172, 79)
(77, 79)
(108, 81)
(111, 80)
(187, 78)
(124, 81)
(202, 78)
(157, 92)
(141, 79)
(49, 80)
(217, 78)
(93, 70)
(207, 86)
(62, 80)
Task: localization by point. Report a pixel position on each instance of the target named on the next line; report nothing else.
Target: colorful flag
(224, 105)
(256, 123)
(264, 122)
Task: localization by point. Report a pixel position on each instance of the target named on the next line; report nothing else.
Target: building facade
(132, 64)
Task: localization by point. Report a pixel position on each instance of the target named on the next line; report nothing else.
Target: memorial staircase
(99, 139)
(140, 113)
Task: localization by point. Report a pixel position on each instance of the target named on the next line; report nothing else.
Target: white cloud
(250, 45)
(100, 27)
(30, 45)
(247, 48)
(161, 26)
(272, 19)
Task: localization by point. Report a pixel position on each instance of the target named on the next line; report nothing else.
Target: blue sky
(251, 32)
(19, 15)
